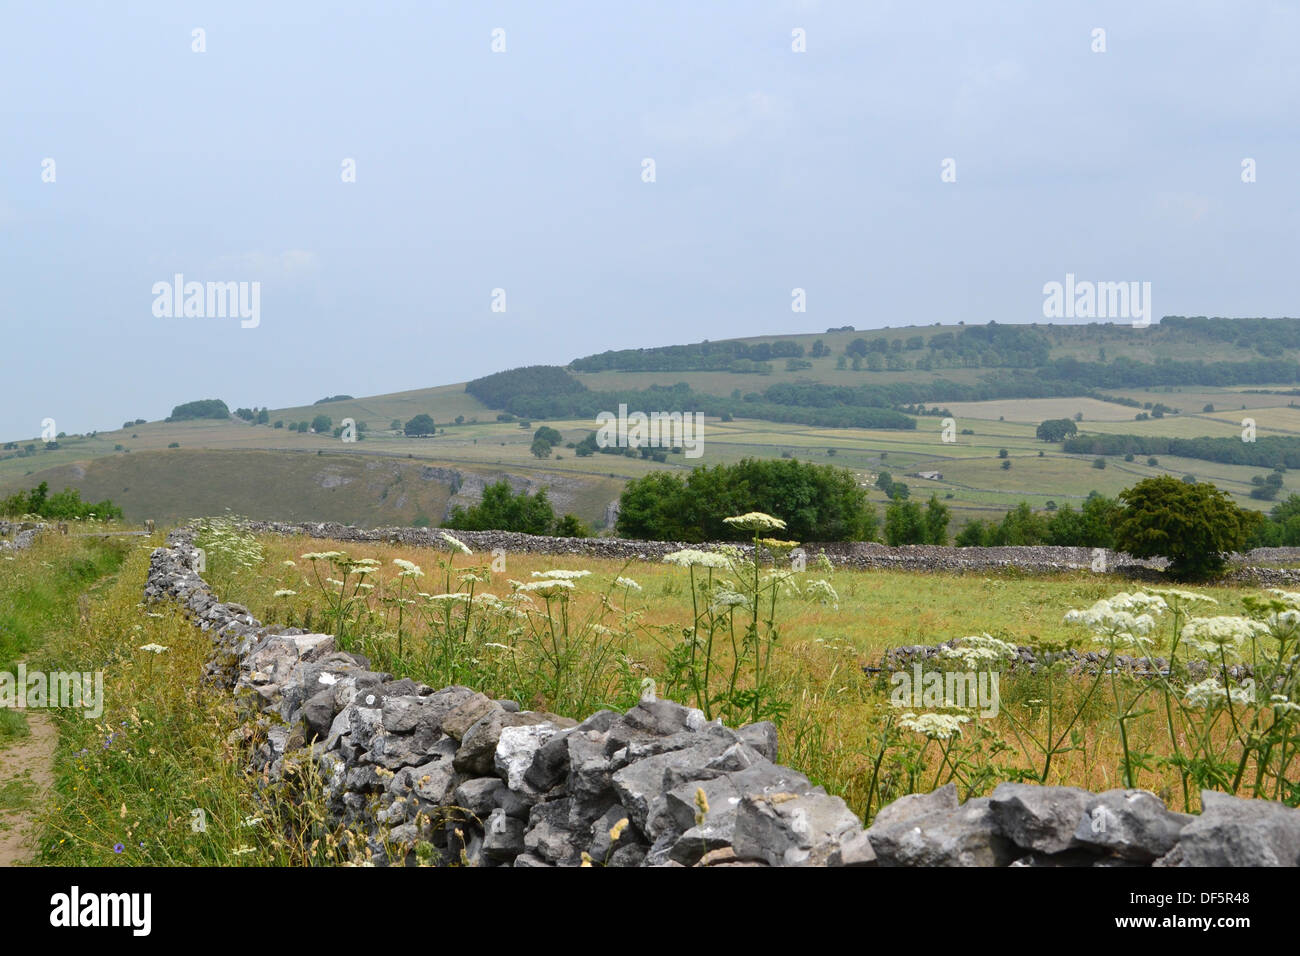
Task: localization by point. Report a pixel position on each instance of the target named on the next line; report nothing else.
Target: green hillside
(795, 395)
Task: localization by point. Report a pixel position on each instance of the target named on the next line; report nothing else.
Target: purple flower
(118, 848)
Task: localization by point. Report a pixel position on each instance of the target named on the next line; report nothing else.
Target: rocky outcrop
(451, 776)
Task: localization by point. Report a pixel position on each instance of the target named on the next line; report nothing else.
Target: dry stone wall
(1042, 559)
(450, 776)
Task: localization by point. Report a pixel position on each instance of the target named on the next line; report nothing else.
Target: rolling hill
(795, 395)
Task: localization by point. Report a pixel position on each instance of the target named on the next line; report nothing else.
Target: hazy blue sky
(521, 170)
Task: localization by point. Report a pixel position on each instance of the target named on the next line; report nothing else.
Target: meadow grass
(835, 721)
(128, 782)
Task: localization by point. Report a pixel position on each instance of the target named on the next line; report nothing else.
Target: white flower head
(409, 568)
(693, 557)
(154, 648)
(821, 591)
(455, 543)
(1210, 692)
(755, 521)
(1216, 633)
(548, 587)
(560, 575)
(979, 649)
(626, 583)
(934, 726)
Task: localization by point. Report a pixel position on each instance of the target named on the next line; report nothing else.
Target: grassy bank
(128, 781)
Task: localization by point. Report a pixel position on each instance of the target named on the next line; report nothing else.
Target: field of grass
(832, 716)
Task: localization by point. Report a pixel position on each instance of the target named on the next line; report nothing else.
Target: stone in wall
(450, 776)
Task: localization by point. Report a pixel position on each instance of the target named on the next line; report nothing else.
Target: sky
(129, 156)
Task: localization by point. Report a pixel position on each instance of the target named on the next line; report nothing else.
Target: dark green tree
(420, 425)
(1193, 525)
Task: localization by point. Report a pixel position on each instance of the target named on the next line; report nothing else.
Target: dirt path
(26, 773)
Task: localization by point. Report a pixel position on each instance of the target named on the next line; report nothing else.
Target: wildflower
(1213, 634)
(118, 848)
(1210, 691)
(1183, 596)
(561, 575)
(547, 588)
(1117, 626)
(409, 568)
(1286, 597)
(284, 592)
(251, 822)
(455, 543)
(586, 859)
(755, 521)
(934, 726)
(242, 851)
(289, 564)
(627, 584)
(1282, 703)
(776, 544)
(617, 829)
(154, 648)
(689, 557)
(447, 598)
(725, 598)
(821, 590)
(979, 649)
(701, 805)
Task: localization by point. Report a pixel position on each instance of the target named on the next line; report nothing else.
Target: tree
(571, 527)
(1003, 453)
(541, 449)
(548, 435)
(321, 424)
(1056, 429)
(817, 502)
(904, 523)
(502, 510)
(1193, 525)
(420, 426)
(937, 517)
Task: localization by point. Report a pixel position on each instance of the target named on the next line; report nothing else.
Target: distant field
(1032, 411)
(137, 468)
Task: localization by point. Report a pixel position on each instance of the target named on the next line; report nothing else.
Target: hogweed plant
(725, 656)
